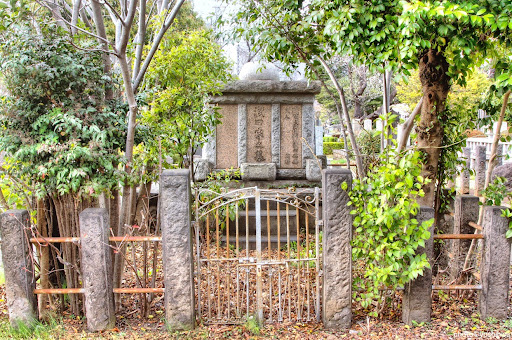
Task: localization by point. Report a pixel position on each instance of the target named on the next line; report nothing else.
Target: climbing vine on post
(387, 234)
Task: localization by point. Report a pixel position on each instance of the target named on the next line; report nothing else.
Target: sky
(205, 7)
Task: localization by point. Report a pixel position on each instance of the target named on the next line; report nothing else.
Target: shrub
(329, 146)
(330, 139)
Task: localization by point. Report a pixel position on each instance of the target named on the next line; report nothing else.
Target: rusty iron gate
(258, 255)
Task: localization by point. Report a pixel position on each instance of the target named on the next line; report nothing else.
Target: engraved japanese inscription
(227, 137)
(291, 133)
(259, 121)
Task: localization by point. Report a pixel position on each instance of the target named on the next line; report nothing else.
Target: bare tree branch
(140, 39)
(75, 14)
(407, 127)
(112, 11)
(42, 3)
(156, 43)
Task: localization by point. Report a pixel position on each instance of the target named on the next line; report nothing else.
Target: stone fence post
(18, 268)
(464, 175)
(480, 163)
(495, 270)
(177, 248)
(337, 256)
(417, 300)
(466, 210)
(96, 265)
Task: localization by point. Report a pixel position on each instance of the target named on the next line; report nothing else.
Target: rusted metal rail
(476, 226)
(457, 287)
(458, 236)
(82, 290)
(471, 224)
(44, 240)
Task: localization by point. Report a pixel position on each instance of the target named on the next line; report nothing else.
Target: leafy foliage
(387, 234)
(59, 133)
(465, 99)
(494, 194)
(183, 74)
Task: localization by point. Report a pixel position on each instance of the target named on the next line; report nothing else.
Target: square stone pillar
(495, 271)
(96, 265)
(466, 210)
(177, 248)
(480, 160)
(417, 300)
(337, 256)
(464, 175)
(18, 268)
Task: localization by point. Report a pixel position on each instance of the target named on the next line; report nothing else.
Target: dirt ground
(454, 317)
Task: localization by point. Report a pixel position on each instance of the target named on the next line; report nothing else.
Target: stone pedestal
(202, 168)
(18, 269)
(96, 268)
(337, 256)
(313, 170)
(258, 171)
(177, 249)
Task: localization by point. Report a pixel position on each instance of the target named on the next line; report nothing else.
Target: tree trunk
(44, 256)
(496, 140)
(435, 86)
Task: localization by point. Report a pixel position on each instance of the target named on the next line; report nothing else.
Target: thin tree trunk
(355, 147)
(141, 34)
(435, 85)
(44, 256)
(495, 142)
(100, 31)
(407, 127)
(74, 15)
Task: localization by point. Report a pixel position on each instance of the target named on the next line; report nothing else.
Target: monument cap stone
(256, 71)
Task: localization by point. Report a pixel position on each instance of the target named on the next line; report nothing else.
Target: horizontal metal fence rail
(43, 241)
(115, 290)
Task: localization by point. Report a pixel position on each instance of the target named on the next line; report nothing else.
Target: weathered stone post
(417, 300)
(495, 271)
(464, 175)
(466, 210)
(480, 159)
(96, 265)
(19, 271)
(337, 257)
(499, 155)
(177, 249)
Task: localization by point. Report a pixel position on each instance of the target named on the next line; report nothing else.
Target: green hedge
(329, 146)
(328, 139)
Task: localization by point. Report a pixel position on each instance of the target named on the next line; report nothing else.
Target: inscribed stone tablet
(291, 133)
(227, 138)
(259, 123)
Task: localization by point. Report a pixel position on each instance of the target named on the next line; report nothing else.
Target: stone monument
(267, 128)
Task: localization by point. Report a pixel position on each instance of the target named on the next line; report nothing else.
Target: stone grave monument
(267, 129)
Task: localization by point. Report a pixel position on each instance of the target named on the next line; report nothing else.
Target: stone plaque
(259, 123)
(291, 133)
(227, 138)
